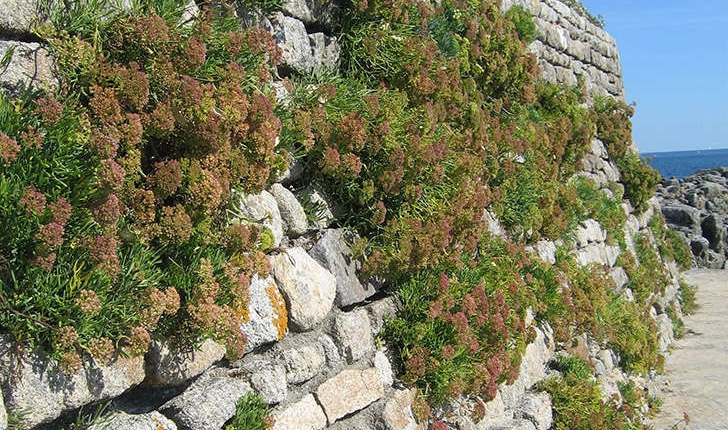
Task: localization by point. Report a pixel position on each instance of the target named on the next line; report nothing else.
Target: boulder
(334, 254)
(301, 52)
(349, 391)
(353, 334)
(268, 378)
(30, 66)
(384, 366)
(397, 413)
(713, 228)
(167, 365)
(308, 288)
(259, 209)
(267, 319)
(315, 13)
(304, 414)
(37, 386)
(207, 404)
(682, 215)
(536, 407)
(18, 16)
(291, 210)
(303, 362)
(121, 420)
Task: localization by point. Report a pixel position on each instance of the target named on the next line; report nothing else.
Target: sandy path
(697, 369)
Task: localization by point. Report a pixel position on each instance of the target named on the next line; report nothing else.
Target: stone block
(292, 212)
(267, 319)
(259, 209)
(30, 66)
(349, 391)
(207, 404)
(308, 288)
(18, 16)
(121, 420)
(303, 362)
(305, 414)
(353, 334)
(334, 254)
(397, 413)
(536, 407)
(268, 378)
(168, 366)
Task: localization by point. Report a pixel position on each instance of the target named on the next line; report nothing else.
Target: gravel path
(697, 369)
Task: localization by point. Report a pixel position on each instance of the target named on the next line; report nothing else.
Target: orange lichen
(280, 314)
(242, 310)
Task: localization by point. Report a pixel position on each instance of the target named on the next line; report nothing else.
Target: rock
(397, 413)
(619, 275)
(349, 391)
(699, 246)
(379, 310)
(207, 404)
(305, 414)
(536, 407)
(334, 254)
(30, 66)
(303, 363)
(532, 369)
(381, 362)
(189, 14)
(588, 232)
(168, 366)
(3, 413)
(333, 358)
(259, 209)
(308, 288)
(509, 424)
(302, 53)
(267, 315)
(268, 379)
(291, 210)
(353, 334)
(713, 228)
(18, 16)
(666, 336)
(325, 50)
(598, 253)
(546, 250)
(35, 385)
(314, 12)
(682, 215)
(121, 420)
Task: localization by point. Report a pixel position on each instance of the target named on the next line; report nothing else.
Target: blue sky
(675, 64)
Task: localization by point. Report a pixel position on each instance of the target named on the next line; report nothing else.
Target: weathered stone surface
(325, 51)
(207, 404)
(619, 275)
(122, 420)
(533, 367)
(333, 358)
(3, 413)
(316, 12)
(168, 366)
(683, 215)
(44, 392)
(333, 253)
(509, 424)
(308, 288)
(301, 52)
(397, 413)
(268, 379)
(598, 253)
(536, 407)
(18, 16)
(589, 231)
(349, 391)
(713, 228)
(291, 210)
(30, 66)
(353, 334)
(321, 208)
(379, 310)
(666, 336)
(383, 365)
(546, 250)
(305, 414)
(267, 315)
(303, 363)
(259, 209)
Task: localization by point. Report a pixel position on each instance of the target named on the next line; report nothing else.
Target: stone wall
(313, 324)
(569, 46)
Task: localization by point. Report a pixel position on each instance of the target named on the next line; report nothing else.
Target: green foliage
(671, 245)
(252, 413)
(116, 195)
(463, 330)
(523, 22)
(687, 296)
(574, 366)
(577, 404)
(579, 7)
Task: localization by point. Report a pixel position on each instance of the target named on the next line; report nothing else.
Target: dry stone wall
(569, 47)
(312, 325)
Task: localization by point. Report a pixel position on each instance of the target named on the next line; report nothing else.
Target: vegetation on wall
(120, 187)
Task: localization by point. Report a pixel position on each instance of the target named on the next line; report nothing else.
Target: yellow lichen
(280, 314)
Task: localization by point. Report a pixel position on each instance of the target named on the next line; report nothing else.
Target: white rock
(121, 420)
(349, 391)
(30, 66)
(303, 363)
(397, 414)
(305, 414)
(308, 288)
(353, 334)
(381, 362)
(259, 209)
(536, 407)
(267, 315)
(169, 367)
(291, 210)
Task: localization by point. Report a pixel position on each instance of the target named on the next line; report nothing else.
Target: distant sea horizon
(680, 164)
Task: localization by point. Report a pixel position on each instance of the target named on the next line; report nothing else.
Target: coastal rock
(168, 366)
(397, 414)
(207, 404)
(308, 288)
(334, 254)
(353, 334)
(121, 420)
(304, 414)
(259, 209)
(268, 378)
(314, 12)
(18, 16)
(267, 319)
(291, 210)
(536, 407)
(349, 391)
(303, 363)
(31, 66)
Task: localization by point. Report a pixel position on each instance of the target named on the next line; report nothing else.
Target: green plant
(523, 22)
(251, 413)
(687, 296)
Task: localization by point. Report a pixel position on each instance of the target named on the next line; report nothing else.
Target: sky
(675, 65)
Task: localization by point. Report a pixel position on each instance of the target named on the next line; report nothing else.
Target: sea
(680, 164)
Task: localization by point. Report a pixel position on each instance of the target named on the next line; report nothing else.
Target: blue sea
(684, 163)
